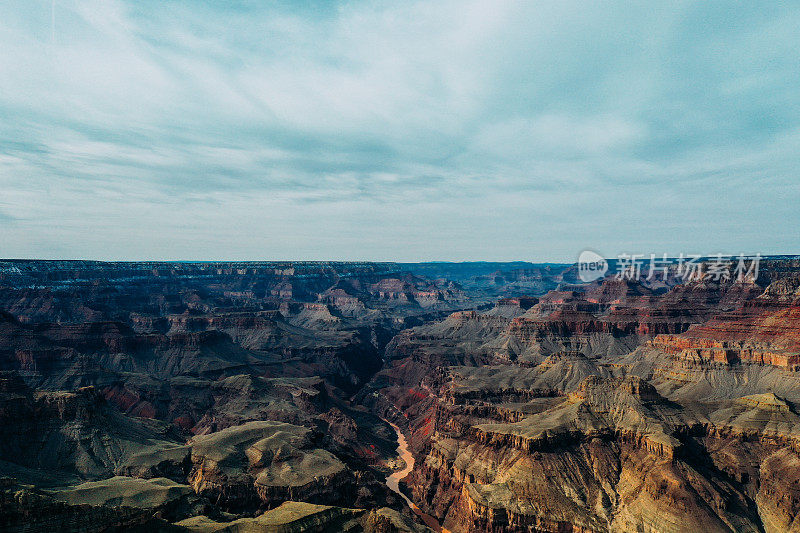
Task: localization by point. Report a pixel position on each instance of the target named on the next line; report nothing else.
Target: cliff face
(764, 331)
(249, 396)
(70, 435)
(25, 510)
(71, 324)
(622, 312)
(230, 380)
(611, 407)
(612, 456)
(270, 461)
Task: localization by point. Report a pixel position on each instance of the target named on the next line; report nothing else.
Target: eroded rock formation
(249, 397)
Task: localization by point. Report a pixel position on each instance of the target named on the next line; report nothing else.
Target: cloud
(5, 218)
(452, 130)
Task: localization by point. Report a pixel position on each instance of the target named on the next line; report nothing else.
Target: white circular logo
(591, 266)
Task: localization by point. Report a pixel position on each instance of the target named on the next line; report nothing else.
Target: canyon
(383, 397)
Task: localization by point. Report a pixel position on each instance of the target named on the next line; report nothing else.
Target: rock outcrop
(270, 461)
(249, 397)
(607, 407)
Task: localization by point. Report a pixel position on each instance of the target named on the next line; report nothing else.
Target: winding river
(393, 481)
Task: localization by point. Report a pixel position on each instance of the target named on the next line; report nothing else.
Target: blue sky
(398, 130)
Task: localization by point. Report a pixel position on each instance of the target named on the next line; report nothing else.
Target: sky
(397, 131)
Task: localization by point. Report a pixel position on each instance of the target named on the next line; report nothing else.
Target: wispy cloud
(410, 130)
(5, 218)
